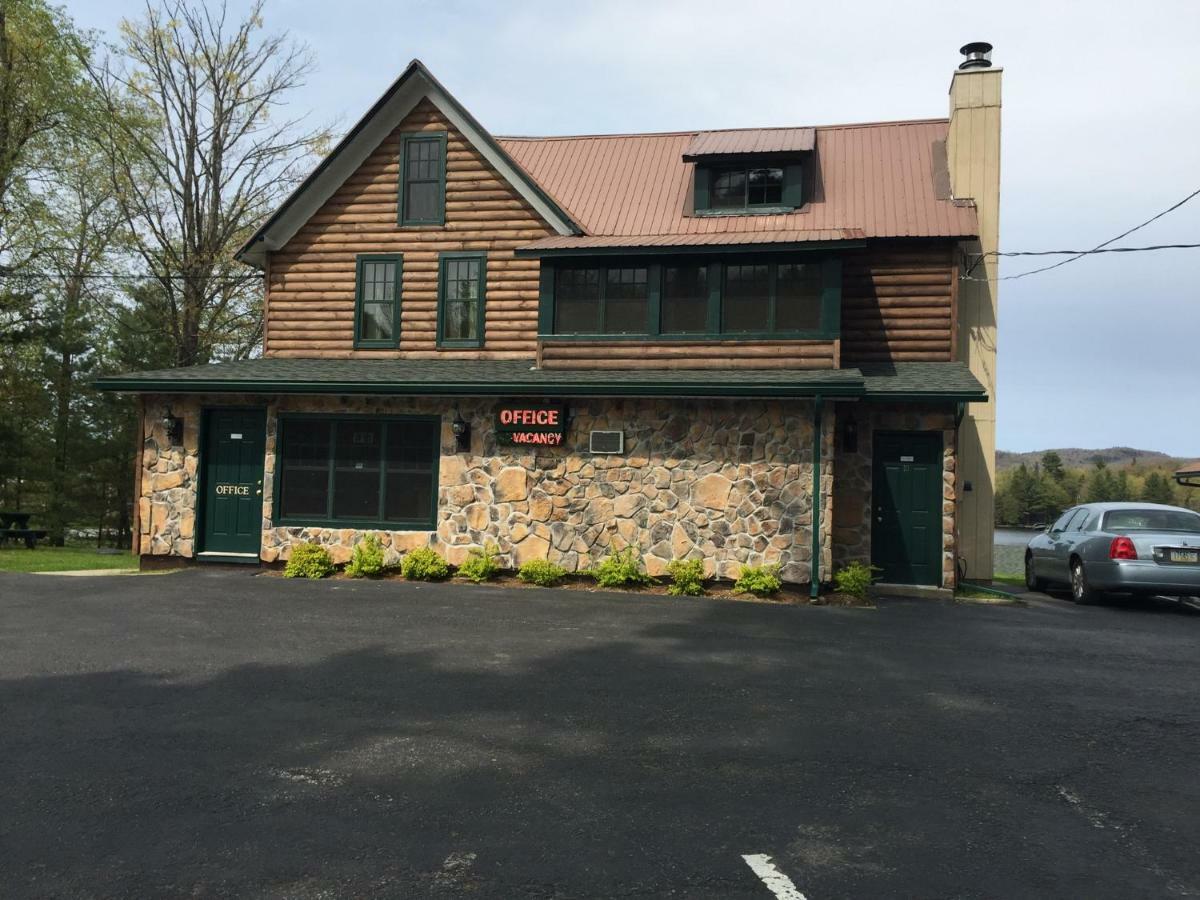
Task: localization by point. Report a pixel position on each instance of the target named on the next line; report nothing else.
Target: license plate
(1184, 556)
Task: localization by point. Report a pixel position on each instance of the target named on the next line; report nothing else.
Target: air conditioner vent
(608, 442)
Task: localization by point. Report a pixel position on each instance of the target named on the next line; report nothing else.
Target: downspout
(817, 503)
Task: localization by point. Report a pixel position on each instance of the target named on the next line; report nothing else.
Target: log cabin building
(751, 346)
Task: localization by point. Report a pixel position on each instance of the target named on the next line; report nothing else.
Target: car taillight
(1122, 548)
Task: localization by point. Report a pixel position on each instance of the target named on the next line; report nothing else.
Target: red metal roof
(872, 181)
(750, 140)
(1192, 468)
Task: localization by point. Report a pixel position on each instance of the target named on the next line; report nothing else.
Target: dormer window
(742, 187)
(749, 172)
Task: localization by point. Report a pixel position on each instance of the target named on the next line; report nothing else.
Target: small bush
(480, 565)
(687, 577)
(308, 561)
(760, 581)
(367, 558)
(855, 580)
(424, 564)
(541, 572)
(622, 569)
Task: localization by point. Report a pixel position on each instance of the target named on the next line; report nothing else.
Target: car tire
(1081, 591)
(1032, 581)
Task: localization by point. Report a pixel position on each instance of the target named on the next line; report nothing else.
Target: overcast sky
(1101, 129)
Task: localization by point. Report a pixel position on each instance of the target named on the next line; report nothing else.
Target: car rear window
(1151, 520)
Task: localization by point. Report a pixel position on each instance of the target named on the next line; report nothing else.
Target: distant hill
(1072, 457)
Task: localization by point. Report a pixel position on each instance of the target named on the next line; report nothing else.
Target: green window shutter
(701, 188)
(831, 297)
(546, 299)
(793, 186)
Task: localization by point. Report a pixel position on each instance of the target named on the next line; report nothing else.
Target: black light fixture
(173, 426)
(462, 433)
(850, 435)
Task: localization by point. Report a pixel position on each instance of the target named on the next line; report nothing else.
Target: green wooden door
(906, 527)
(233, 480)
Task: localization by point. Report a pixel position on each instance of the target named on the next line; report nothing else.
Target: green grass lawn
(62, 559)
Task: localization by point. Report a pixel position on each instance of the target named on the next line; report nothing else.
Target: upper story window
(742, 188)
(598, 300)
(462, 288)
(423, 178)
(764, 296)
(758, 188)
(377, 301)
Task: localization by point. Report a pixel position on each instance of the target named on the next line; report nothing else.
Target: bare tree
(199, 157)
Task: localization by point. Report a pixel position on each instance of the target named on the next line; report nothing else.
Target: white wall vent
(608, 442)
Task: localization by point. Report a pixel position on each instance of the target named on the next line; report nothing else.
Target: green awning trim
(519, 378)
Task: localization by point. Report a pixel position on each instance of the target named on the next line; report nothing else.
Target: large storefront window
(358, 471)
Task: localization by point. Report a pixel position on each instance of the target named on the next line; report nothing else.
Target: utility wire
(1082, 253)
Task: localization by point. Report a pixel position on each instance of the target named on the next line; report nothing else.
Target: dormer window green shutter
(700, 200)
(793, 185)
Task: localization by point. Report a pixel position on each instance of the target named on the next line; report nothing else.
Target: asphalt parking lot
(207, 734)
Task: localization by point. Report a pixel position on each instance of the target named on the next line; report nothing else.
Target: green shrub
(367, 558)
(687, 577)
(424, 564)
(760, 581)
(855, 579)
(308, 561)
(480, 565)
(541, 572)
(621, 569)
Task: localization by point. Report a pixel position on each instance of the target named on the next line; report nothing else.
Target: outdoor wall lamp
(462, 433)
(173, 426)
(850, 435)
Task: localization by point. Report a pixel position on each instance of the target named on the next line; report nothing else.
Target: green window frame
(454, 276)
(368, 286)
(303, 467)
(422, 165)
(717, 303)
(791, 191)
(616, 294)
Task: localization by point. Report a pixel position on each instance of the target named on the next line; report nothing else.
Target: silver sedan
(1131, 548)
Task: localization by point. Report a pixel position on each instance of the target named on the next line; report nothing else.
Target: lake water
(1010, 550)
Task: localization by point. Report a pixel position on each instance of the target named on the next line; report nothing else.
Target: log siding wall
(689, 355)
(898, 303)
(897, 300)
(310, 281)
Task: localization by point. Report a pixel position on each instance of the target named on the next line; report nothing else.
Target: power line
(120, 276)
(1078, 253)
(1082, 253)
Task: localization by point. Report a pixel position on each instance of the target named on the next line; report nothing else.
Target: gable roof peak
(413, 85)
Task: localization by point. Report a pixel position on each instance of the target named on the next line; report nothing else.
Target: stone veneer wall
(852, 507)
(724, 481)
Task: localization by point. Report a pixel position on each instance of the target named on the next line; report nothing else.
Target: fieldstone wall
(723, 481)
(167, 503)
(852, 506)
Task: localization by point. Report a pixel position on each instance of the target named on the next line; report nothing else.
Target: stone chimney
(973, 158)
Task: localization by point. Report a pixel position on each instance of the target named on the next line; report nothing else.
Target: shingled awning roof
(871, 181)
(519, 378)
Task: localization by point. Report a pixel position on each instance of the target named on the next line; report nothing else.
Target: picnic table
(14, 526)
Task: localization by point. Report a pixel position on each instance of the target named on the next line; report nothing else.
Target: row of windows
(358, 469)
(693, 298)
(462, 281)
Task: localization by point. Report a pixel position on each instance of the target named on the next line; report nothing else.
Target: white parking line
(778, 883)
